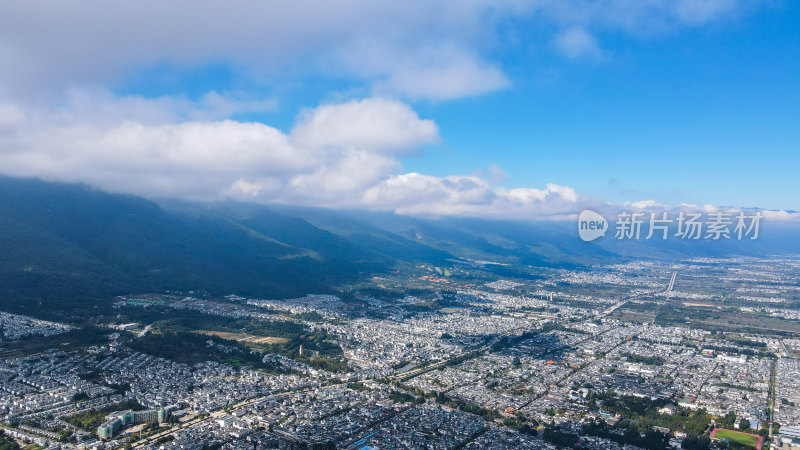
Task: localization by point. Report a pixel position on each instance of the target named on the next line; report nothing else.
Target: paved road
(672, 281)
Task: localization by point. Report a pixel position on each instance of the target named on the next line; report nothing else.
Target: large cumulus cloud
(337, 155)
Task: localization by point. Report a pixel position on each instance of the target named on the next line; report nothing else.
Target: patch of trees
(7, 443)
(693, 442)
(650, 360)
(191, 348)
(90, 420)
(644, 412)
(444, 399)
(83, 336)
(737, 350)
(651, 440)
(405, 397)
(560, 438)
(521, 423)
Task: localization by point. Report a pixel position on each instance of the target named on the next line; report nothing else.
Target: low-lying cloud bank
(336, 155)
(339, 155)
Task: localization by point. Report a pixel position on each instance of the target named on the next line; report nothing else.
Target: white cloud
(643, 204)
(338, 183)
(779, 215)
(442, 73)
(435, 49)
(651, 206)
(576, 43)
(53, 45)
(641, 16)
(414, 193)
(494, 173)
(336, 155)
(372, 124)
(701, 11)
(60, 120)
(334, 148)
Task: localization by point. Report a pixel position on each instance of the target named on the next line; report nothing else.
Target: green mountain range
(67, 244)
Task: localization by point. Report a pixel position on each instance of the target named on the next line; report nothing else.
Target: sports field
(736, 437)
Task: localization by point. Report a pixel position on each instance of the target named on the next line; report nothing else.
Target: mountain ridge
(71, 244)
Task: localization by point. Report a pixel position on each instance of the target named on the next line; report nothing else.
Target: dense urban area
(697, 354)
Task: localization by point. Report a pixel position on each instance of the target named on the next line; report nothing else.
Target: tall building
(117, 420)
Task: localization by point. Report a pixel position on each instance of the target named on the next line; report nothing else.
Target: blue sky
(692, 101)
(702, 116)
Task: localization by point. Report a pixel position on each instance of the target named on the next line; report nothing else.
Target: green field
(743, 439)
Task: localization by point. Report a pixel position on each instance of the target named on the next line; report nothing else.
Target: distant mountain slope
(69, 244)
